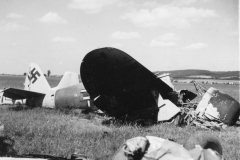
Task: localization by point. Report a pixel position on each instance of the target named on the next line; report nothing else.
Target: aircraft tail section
(68, 79)
(35, 80)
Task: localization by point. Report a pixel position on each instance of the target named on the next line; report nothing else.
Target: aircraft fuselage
(70, 97)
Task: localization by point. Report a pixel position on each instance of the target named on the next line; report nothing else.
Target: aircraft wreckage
(123, 88)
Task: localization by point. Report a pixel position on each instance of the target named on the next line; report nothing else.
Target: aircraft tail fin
(35, 80)
(68, 79)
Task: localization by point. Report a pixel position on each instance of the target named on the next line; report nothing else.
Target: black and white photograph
(119, 80)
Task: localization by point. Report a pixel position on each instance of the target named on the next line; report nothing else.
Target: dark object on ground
(187, 95)
(119, 85)
(6, 146)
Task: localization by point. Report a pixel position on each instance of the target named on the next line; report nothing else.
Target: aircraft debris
(215, 111)
(124, 89)
(69, 93)
(8, 101)
(220, 106)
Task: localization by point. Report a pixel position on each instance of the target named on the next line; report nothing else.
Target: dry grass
(57, 133)
(44, 131)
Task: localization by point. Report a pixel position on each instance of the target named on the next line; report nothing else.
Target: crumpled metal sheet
(218, 105)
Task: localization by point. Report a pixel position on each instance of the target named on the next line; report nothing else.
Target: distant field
(221, 81)
(203, 73)
(17, 81)
(232, 90)
(199, 76)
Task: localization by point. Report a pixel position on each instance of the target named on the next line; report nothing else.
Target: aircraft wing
(119, 84)
(15, 93)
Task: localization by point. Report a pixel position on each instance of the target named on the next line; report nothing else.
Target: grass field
(58, 133)
(44, 131)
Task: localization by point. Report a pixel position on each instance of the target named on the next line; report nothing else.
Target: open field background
(196, 73)
(17, 82)
(232, 90)
(59, 133)
(212, 81)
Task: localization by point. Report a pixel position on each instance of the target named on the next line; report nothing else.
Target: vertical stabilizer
(35, 80)
(68, 79)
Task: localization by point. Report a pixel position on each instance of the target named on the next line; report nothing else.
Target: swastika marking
(33, 75)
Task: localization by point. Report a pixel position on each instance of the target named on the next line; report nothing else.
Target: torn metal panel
(205, 100)
(167, 111)
(218, 105)
(228, 107)
(211, 112)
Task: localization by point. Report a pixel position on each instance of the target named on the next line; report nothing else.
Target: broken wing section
(120, 85)
(14, 93)
(109, 71)
(218, 105)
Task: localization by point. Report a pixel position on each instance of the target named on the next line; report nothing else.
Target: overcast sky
(162, 34)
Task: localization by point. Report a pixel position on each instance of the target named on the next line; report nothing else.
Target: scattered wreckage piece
(218, 106)
(123, 88)
(150, 147)
(215, 111)
(167, 111)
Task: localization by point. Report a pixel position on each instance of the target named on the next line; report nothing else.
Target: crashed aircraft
(68, 94)
(123, 88)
